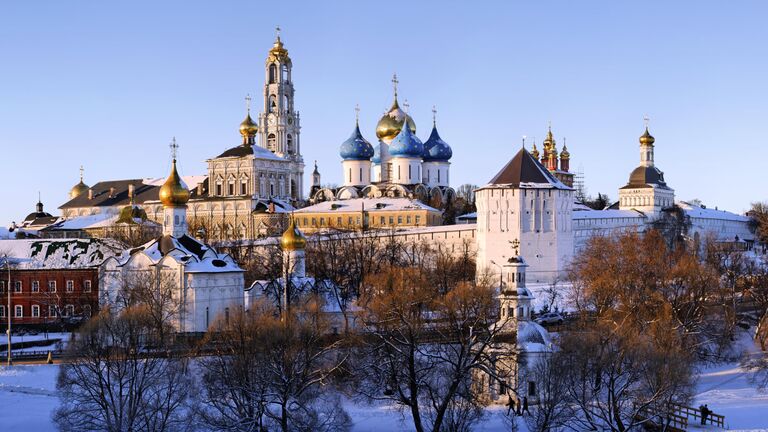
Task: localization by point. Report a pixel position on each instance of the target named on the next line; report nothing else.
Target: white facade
(436, 173)
(357, 172)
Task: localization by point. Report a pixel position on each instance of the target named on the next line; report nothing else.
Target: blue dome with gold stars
(406, 144)
(356, 147)
(435, 149)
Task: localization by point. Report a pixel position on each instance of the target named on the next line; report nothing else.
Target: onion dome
(435, 149)
(356, 147)
(78, 190)
(549, 141)
(377, 153)
(174, 193)
(292, 238)
(646, 138)
(392, 121)
(565, 154)
(406, 144)
(248, 127)
(535, 151)
(278, 52)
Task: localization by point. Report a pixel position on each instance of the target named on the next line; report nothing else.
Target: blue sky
(107, 84)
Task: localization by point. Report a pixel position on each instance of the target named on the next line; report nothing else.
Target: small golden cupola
(174, 193)
(79, 188)
(392, 121)
(535, 151)
(646, 138)
(278, 53)
(292, 238)
(248, 129)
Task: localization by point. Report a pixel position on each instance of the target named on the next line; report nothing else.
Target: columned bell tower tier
(279, 124)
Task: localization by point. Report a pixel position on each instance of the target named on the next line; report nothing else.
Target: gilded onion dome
(646, 138)
(248, 127)
(130, 213)
(565, 154)
(292, 238)
(174, 193)
(406, 144)
(549, 141)
(356, 147)
(392, 121)
(435, 149)
(78, 190)
(535, 151)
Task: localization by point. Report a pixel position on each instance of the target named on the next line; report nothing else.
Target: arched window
(289, 143)
(272, 103)
(271, 145)
(284, 72)
(272, 73)
(286, 106)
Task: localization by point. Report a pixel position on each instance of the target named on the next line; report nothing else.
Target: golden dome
(549, 141)
(535, 152)
(248, 127)
(292, 238)
(646, 138)
(391, 123)
(174, 193)
(565, 154)
(278, 53)
(78, 190)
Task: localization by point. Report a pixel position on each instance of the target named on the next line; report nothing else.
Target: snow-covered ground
(28, 397)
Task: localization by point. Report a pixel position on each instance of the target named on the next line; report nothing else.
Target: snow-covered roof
(606, 214)
(695, 211)
(60, 253)
(367, 204)
(195, 256)
(532, 337)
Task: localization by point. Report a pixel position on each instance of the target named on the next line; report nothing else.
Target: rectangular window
(35, 311)
(398, 172)
(409, 172)
(399, 220)
(69, 310)
(231, 189)
(52, 311)
(408, 219)
(19, 311)
(382, 220)
(35, 286)
(305, 221)
(52, 286)
(87, 286)
(391, 220)
(349, 221)
(70, 286)
(338, 221)
(17, 286)
(314, 222)
(2, 311)
(243, 188)
(418, 219)
(218, 189)
(361, 175)
(322, 221)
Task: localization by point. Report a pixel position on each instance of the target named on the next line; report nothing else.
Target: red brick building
(49, 296)
(52, 282)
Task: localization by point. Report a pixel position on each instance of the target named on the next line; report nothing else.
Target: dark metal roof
(524, 168)
(642, 177)
(119, 196)
(239, 151)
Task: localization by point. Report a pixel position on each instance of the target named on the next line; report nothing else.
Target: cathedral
(248, 188)
(399, 165)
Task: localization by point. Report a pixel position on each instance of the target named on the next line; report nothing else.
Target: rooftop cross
(434, 116)
(357, 113)
(524, 141)
(81, 172)
(394, 83)
(174, 148)
(248, 103)
(277, 32)
(406, 105)
(646, 120)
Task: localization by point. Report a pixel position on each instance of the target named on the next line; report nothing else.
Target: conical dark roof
(523, 170)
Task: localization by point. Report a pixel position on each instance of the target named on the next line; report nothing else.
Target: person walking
(704, 414)
(525, 405)
(511, 406)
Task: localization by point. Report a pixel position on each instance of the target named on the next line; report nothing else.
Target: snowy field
(28, 397)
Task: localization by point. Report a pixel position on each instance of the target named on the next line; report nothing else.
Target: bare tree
(271, 372)
(424, 345)
(115, 383)
(554, 410)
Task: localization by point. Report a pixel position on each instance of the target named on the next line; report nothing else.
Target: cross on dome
(357, 113)
(394, 83)
(174, 148)
(406, 105)
(81, 172)
(646, 120)
(434, 116)
(277, 32)
(248, 102)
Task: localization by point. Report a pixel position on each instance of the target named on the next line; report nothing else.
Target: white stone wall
(435, 173)
(356, 172)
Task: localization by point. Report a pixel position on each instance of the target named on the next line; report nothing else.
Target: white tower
(279, 123)
(646, 189)
(525, 202)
